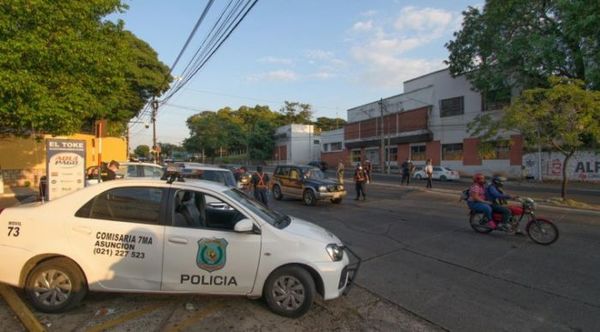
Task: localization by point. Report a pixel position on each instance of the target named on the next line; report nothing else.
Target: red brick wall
(368, 128)
(403, 153)
(280, 152)
(433, 151)
(516, 150)
(389, 123)
(470, 152)
(333, 158)
(351, 131)
(413, 120)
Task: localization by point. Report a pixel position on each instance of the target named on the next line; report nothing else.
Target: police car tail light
(335, 252)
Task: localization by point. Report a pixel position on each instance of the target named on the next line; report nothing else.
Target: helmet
(479, 178)
(498, 181)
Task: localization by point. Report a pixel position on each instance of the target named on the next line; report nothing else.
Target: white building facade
(429, 121)
(296, 144)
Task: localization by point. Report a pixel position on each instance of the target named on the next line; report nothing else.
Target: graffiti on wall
(583, 166)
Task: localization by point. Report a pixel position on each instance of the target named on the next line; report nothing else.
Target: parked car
(307, 183)
(439, 173)
(208, 172)
(319, 164)
(153, 236)
(126, 170)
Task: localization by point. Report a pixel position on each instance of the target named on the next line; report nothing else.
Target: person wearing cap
(497, 197)
(359, 180)
(477, 200)
(407, 168)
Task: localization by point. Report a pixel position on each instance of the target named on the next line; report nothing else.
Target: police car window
(283, 171)
(150, 171)
(437, 169)
(133, 204)
(195, 209)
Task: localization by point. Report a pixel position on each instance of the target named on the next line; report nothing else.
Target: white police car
(174, 237)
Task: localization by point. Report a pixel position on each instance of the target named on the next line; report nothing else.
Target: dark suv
(305, 182)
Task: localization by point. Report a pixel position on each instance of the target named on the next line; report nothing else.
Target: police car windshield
(273, 217)
(313, 173)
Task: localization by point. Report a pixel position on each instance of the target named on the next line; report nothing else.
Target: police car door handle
(83, 229)
(179, 240)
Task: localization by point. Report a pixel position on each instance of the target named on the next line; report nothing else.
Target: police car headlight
(335, 252)
(322, 189)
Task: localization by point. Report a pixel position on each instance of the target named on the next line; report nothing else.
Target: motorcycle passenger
(476, 200)
(495, 195)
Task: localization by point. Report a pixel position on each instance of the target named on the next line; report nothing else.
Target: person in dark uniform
(359, 180)
(260, 182)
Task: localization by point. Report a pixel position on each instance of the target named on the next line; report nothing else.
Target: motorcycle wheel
(477, 222)
(542, 231)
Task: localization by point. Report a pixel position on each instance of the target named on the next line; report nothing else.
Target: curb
(20, 309)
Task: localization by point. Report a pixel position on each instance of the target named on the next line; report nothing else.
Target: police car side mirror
(243, 226)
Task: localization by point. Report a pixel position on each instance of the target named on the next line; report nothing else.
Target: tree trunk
(563, 189)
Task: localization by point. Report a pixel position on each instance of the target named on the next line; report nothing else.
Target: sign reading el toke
(65, 166)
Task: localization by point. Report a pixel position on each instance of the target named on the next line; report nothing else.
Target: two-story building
(428, 121)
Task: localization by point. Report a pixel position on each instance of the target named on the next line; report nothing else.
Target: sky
(331, 54)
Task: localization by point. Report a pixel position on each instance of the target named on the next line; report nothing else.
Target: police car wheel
(419, 177)
(289, 291)
(55, 285)
(309, 198)
(277, 192)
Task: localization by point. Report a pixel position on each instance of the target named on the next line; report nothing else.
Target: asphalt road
(419, 253)
(583, 192)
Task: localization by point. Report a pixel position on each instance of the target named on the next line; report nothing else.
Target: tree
(325, 124)
(514, 44)
(142, 151)
(63, 66)
(167, 148)
(296, 113)
(260, 141)
(565, 116)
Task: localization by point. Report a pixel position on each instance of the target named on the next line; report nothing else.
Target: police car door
(117, 235)
(203, 253)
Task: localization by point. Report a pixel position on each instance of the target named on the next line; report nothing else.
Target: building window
(495, 99)
(326, 147)
(316, 142)
(496, 150)
(452, 106)
(452, 151)
(417, 152)
(355, 156)
(391, 154)
(337, 146)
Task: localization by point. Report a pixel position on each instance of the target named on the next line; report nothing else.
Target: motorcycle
(540, 230)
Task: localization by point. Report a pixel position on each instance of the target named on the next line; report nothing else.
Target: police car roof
(190, 183)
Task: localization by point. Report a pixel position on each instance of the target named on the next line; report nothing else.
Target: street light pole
(382, 152)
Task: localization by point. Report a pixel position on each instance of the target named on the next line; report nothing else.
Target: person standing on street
(260, 182)
(359, 180)
(429, 172)
(368, 169)
(407, 168)
(340, 172)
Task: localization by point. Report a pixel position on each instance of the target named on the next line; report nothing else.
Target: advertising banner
(65, 166)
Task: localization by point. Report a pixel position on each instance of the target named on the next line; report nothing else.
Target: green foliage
(520, 44)
(296, 113)
(564, 116)
(326, 124)
(167, 149)
(62, 66)
(142, 151)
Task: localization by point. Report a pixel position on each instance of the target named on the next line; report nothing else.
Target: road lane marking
(20, 309)
(200, 315)
(124, 318)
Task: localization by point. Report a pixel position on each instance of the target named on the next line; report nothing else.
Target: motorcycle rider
(495, 195)
(477, 201)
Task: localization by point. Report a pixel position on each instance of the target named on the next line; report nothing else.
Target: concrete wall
(23, 160)
(299, 143)
(583, 166)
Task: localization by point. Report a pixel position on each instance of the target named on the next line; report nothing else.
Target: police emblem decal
(212, 254)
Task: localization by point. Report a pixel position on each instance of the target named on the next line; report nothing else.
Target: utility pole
(382, 152)
(154, 147)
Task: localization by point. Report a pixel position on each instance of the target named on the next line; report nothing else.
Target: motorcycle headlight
(335, 252)
(322, 189)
